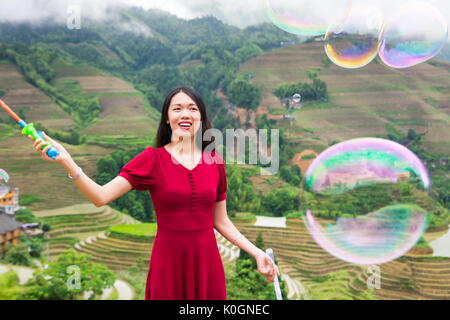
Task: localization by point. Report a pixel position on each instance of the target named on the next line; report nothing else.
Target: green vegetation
(9, 286)
(243, 93)
(422, 244)
(244, 217)
(27, 199)
(248, 51)
(25, 216)
(35, 64)
(333, 286)
(317, 90)
(280, 201)
(141, 232)
(246, 283)
(134, 275)
(241, 196)
(68, 277)
(135, 203)
(17, 254)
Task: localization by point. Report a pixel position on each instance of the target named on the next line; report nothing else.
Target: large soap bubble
(354, 43)
(362, 200)
(413, 34)
(305, 17)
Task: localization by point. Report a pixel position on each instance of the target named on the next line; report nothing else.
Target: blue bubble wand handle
(276, 284)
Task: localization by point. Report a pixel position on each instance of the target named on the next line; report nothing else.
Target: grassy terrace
(72, 224)
(325, 277)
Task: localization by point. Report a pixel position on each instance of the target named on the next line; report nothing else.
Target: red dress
(185, 262)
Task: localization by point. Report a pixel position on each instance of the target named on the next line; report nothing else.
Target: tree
(247, 283)
(243, 93)
(280, 201)
(68, 278)
(248, 51)
(241, 195)
(18, 254)
(35, 245)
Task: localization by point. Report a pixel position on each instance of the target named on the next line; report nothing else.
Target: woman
(188, 189)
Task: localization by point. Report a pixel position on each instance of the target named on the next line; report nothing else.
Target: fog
(240, 13)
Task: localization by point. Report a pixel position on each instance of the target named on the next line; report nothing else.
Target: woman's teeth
(185, 126)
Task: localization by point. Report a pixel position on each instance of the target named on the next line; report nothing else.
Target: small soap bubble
(414, 33)
(354, 43)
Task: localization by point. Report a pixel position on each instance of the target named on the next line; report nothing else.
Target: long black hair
(164, 133)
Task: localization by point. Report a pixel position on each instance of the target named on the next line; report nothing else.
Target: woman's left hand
(266, 267)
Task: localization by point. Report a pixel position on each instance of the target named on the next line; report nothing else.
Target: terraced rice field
(362, 101)
(125, 112)
(36, 106)
(47, 180)
(325, 277)
(73, 224)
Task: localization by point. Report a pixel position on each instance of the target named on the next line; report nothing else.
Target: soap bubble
(354, 43)
(413, 34)
(4, 175)
(296, 98)
(305, 17)
(362, 199)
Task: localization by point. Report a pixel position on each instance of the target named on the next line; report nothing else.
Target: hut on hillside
(10, 230)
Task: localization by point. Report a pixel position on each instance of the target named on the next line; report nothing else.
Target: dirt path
(24, 273)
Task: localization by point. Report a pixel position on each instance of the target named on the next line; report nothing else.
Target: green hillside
(100, 90)
(362, 101)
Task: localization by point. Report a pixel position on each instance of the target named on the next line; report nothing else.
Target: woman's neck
(183, 148)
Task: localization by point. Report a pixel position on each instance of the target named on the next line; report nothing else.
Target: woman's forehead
(182, 98)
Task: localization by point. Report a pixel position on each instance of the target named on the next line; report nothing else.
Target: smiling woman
(188, 188)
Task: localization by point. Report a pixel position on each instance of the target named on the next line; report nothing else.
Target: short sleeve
(222, 186)
(140, 170)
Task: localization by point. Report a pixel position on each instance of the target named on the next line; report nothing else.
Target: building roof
(7, 223)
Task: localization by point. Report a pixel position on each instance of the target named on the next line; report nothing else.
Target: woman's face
(184, 115)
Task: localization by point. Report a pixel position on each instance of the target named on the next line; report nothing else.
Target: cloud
(240, 13)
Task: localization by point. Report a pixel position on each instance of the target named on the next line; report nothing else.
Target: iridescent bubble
(354, 43)
(413, 34)
(361, 200)
(305, 17)
(4, 175)
(296, 98)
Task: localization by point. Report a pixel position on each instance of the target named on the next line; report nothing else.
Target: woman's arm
(98, 195)
(226, 228)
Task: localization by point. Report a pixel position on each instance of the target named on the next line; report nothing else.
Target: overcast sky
(240, 13)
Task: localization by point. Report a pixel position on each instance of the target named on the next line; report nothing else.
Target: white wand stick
(276, 284)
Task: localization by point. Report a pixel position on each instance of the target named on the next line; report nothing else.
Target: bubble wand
(28, 129)
(276, 284)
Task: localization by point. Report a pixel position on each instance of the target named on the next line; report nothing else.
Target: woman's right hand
(63, 154)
